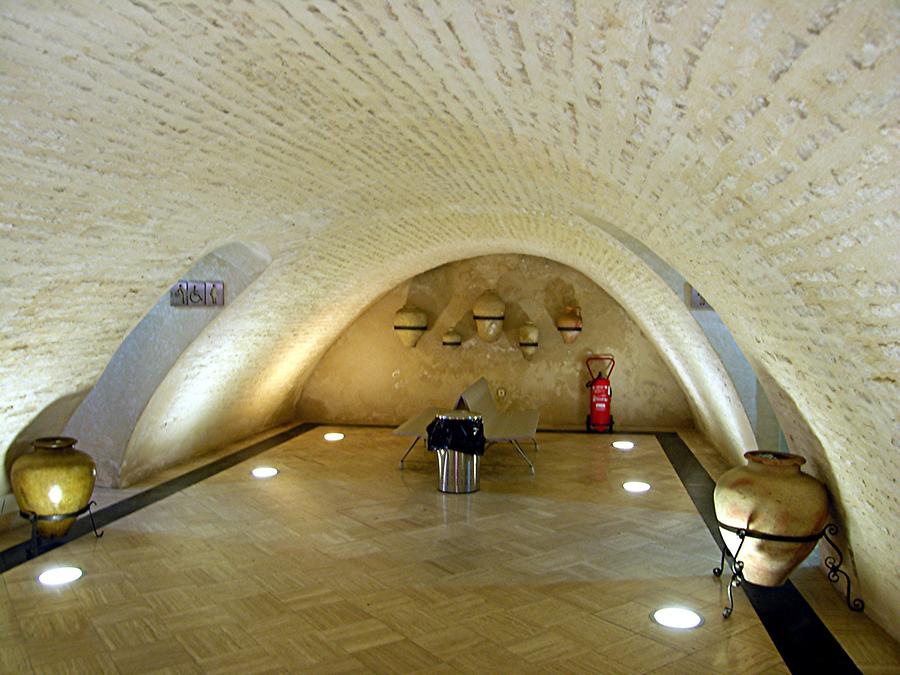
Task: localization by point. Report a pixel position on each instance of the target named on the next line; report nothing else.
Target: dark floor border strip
(20, 553)
(541, 430)
(803, 641)
(599, 434)
(357, 425)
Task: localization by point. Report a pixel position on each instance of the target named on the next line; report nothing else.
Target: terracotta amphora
(770, 494)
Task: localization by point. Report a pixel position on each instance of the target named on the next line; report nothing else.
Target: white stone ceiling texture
(752, 145)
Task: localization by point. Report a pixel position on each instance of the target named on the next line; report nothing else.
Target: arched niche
(368, 376)
(247, 372)
(104, 421)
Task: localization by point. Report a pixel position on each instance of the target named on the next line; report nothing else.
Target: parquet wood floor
(343, 563)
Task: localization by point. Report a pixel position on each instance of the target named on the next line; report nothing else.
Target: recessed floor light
(677, 617)
(636, 486)
(57, 576)
(264, 471)
(623, 445)
(334, 436)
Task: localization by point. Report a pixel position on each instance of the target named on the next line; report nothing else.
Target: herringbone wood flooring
(343, 563)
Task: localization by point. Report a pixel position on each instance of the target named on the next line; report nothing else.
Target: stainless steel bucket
(457, 472)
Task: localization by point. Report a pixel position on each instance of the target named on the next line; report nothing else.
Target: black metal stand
(33, 518)
(737, 576)
(409, 450)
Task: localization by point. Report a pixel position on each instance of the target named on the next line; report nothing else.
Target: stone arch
(262, 382)
(105, 419)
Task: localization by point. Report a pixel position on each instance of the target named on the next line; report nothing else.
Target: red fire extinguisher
(600, 416)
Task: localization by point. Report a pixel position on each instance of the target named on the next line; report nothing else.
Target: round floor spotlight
(636, 486)
(677, 617)
(623, 445)
(57, 576)
(334, 436)
(264, 472)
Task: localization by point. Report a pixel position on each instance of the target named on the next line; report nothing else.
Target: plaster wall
(368, 376)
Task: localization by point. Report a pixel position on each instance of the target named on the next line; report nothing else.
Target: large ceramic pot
(770, 494)
(489, 312)
(53, 479)
(410, 323)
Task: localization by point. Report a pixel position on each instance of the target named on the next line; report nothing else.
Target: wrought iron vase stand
(737, 576)
(33, 518)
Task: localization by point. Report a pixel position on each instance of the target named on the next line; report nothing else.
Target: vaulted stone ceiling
(751, 145)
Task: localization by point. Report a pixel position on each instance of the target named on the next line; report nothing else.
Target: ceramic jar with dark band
(489, 312)
(410, 323)
(569, 324)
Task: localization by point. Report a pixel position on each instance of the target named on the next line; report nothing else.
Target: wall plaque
(197, 294)
(695, 300)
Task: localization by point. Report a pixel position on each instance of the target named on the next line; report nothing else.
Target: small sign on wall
(695, 300)
(197, 294)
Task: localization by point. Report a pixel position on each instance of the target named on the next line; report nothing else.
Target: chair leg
(524, 456)
(409, 450)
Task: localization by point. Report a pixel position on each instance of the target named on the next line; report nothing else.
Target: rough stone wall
(369, 377)
(751, 145)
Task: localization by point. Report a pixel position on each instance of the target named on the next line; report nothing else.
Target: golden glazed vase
(53, 479)
(770, 494)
